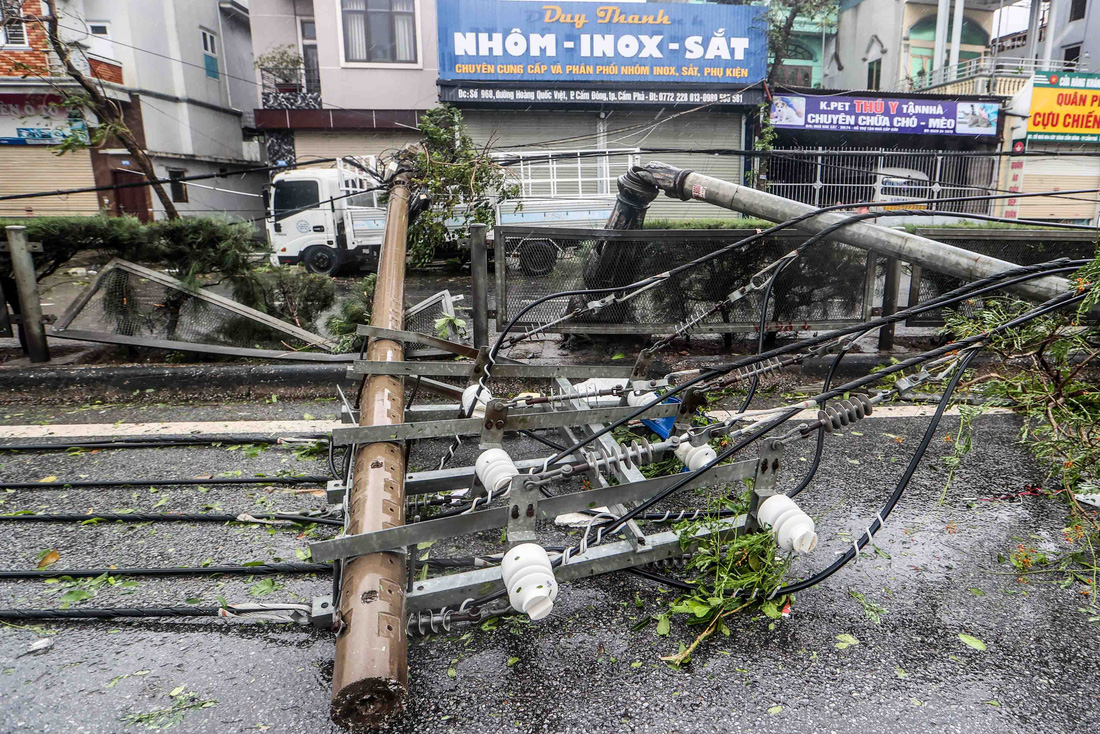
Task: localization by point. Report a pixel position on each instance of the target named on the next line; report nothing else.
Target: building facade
(182, 72)
(896, 46)
(1074, 40)
(366, 71)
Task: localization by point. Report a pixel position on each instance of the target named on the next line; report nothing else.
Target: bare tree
(94, 98)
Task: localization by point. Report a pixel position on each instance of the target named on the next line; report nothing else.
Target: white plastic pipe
(529, 578)
(793, 528)
(495, 469)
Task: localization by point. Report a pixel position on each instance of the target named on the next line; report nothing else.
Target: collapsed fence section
(830, 285)
(1020, 246)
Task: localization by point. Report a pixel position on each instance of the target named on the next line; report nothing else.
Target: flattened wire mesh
(827, 285)
(124, 303)
(421, 319)
(1022, 247)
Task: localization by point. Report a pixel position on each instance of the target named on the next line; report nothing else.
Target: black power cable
(968, 290)
(169, 517)
(903, 483)
(111, 613)
(1047, 307)
(146, 182)
(163, 482)
(264, 569)
(152, 443)
(497, 345)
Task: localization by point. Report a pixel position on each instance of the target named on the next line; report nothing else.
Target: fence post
(479, 270)
(889, 302)
(26, 286)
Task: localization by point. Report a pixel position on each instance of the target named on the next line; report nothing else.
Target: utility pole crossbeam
(371, 675)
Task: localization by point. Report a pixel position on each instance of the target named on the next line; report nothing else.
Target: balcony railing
(989, 68)
(290, 88)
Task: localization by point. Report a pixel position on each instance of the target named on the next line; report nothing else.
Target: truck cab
(327, 220)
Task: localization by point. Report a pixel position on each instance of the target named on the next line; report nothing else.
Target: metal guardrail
(290, 88)
(988, 66)
(806, 175)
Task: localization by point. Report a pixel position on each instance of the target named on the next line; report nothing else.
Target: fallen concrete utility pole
(640, 186)
(371, 676)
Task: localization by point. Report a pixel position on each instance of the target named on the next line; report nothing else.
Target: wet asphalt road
(936, 574)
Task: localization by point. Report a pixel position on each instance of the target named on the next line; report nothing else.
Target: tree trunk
(105, 109)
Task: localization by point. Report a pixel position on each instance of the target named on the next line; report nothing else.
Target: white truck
(329, 220)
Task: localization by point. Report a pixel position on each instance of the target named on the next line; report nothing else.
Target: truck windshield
(292, 197)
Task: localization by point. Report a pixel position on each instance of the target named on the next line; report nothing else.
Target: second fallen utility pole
(371, 676)
(937, 256)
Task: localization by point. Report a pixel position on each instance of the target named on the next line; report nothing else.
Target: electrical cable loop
(432, 622)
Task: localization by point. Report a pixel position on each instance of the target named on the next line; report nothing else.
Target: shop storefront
(532, 77)
(29, 126)
(1063, 120)
(854, 146)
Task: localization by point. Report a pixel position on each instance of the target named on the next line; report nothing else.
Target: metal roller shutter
(27, 169)
(316, 144)
(693, 130)
(505, 130)
(578, 131)
(1052, 174)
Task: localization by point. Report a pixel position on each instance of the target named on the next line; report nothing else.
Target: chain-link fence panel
(828, 286)
(422, 318)
(1019, 246)
(130, 304)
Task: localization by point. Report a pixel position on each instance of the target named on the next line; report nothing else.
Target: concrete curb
(238, 378)
(224, 377)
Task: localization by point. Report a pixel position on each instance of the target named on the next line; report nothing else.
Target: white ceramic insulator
(636, 399)
(482, 400)
(529, 578)
(495, 469)
(793, 528)
(695, 457)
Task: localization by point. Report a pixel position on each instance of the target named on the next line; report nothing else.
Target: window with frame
(310, 59)
(176, 187)
(1072, 53)
(12, 32)
(874, 74)
(379, 31)
(210, 54)
(1077, 9)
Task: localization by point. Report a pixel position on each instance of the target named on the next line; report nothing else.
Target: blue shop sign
(510, 40)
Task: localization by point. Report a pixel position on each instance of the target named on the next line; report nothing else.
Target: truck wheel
(322, 260)
(536, 257)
